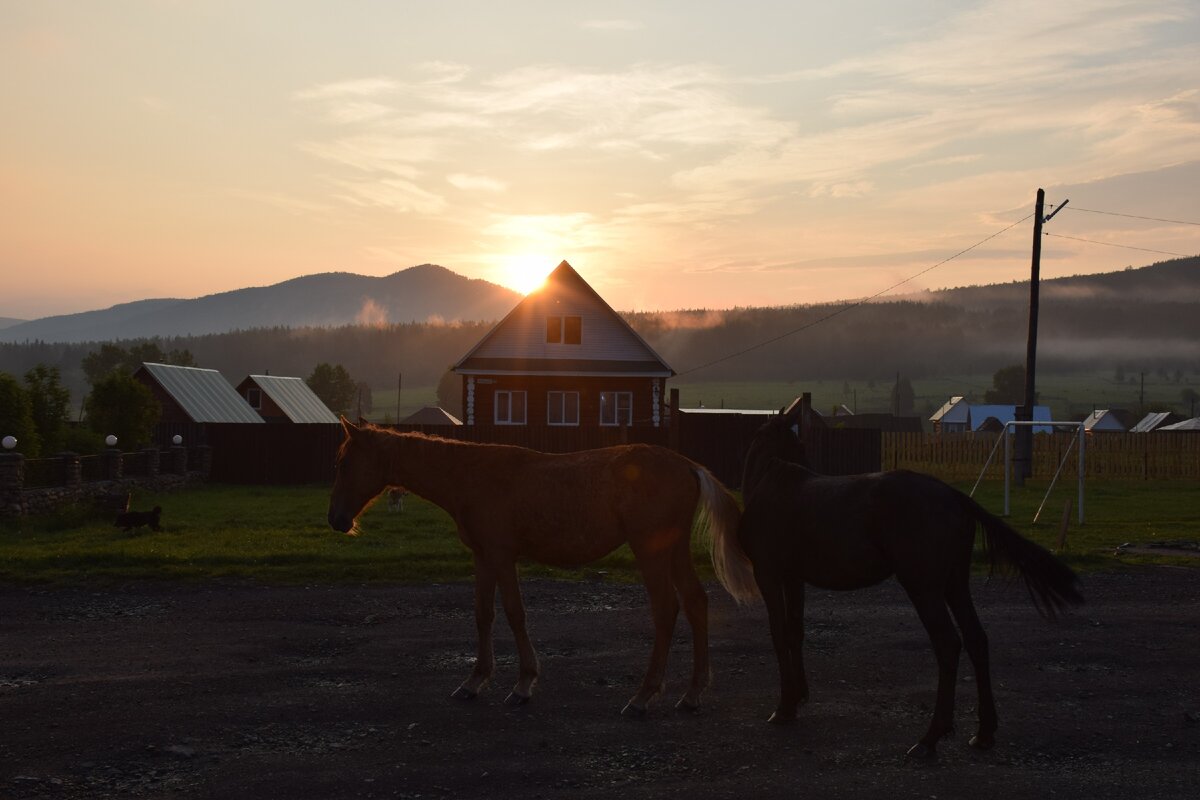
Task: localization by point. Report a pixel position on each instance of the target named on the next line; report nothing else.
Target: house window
(616, 408)
(562, 408)
(254, 398)
(564, 330)
(510, 408)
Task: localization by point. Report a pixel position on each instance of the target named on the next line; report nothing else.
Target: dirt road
(248, 692)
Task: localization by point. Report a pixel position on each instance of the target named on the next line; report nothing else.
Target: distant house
(283, 399)
(563, 357)
(1155, 420)
(194, 395)
(431, 415)
(1104, 420)
(959, 416)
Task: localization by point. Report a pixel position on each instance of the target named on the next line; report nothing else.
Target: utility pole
(399, 385)
(1023, 457)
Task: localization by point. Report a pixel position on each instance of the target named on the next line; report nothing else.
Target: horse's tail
(1052, 584)
(718, 521)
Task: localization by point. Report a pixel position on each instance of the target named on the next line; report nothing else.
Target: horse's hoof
(687, 706)
(982, 741)
(922, 752)
(463, 693)
(514, 700)
(782, 718)
(630, 711)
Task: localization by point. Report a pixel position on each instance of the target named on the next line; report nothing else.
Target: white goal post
(1079, 436)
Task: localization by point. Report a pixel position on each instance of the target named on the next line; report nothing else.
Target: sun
(524, 272)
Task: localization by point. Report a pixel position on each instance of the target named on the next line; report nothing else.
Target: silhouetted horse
(850, 532)
(511, 503)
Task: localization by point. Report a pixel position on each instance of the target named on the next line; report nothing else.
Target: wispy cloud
(612, 25)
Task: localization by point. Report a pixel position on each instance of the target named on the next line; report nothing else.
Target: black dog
(135, 519)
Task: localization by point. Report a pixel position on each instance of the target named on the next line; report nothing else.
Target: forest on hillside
(1138, 320)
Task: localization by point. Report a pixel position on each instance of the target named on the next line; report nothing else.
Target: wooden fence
(294, 454)
(1147, 456)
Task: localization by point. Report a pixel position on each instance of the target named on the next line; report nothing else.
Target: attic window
(254, 398)
(564, 330)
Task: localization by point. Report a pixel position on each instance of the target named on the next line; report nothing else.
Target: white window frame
(613, 400)
(253, 394)
(511, 399)
(558, 400)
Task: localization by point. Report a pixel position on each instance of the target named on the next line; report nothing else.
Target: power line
(853, 305)
(1132, 216)
(1124, 246)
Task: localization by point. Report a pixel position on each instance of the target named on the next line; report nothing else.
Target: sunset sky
(678, 154)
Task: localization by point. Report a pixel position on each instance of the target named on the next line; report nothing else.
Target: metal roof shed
(192, 394)
(285, 399)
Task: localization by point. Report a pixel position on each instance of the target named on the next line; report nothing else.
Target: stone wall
(157, 473)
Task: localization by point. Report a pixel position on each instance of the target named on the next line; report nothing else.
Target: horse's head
(358, 478)
(776, 439)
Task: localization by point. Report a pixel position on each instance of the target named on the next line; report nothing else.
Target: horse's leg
(664, 607)
(976, 643)
(793, 689)
(514, 610)
(695, 606)
(485, 613)
(931, 607)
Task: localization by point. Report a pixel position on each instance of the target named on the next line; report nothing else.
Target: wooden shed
(283, 399)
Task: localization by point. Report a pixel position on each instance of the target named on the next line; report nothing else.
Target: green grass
(279, 536)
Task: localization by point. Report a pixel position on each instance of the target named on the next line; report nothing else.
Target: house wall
(589, 389)
(270, 410)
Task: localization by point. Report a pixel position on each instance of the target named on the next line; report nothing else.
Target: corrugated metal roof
(295, 399)
(1192, 424)
(203, 394)
(431, 415)
(1154, 420)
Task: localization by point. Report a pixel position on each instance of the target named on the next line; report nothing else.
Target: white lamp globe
(177, 439)
(9, 442)
(110, 440)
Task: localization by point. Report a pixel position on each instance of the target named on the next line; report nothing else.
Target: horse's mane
(387, 433)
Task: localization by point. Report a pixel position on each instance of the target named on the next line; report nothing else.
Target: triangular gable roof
(431, 415)
(517, 344)
(294, 397)
(1103, 420)
(203, 394)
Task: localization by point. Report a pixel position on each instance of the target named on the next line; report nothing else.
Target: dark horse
(512, 504)
(854, 531)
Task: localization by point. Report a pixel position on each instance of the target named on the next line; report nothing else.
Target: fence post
(71, 474)
(179, 459)
(676, 420)
(12, 483)
(113, 464)
(151, 456)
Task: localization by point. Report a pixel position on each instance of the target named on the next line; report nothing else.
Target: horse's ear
(349, 427)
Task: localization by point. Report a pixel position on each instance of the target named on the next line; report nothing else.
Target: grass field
(279, 535)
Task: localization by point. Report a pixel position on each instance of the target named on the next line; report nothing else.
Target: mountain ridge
(424, 293)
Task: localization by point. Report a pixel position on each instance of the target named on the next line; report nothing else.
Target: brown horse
(510, 503)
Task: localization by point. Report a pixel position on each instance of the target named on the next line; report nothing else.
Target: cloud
(612, 25)
(475, 183)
